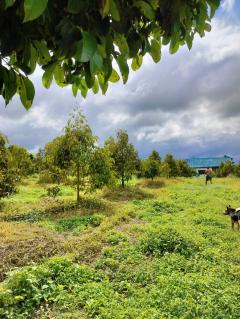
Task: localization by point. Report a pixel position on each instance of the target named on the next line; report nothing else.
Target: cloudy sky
(188, 104)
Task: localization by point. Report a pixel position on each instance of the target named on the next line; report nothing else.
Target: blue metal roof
(204, 162)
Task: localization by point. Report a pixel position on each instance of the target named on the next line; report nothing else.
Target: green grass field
(156, 250)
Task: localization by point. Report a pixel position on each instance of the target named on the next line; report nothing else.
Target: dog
(234, 213)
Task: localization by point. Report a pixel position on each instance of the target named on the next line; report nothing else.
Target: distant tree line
(75, 158)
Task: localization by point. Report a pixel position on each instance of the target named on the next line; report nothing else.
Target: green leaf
(121, 42)
(207, 27)
(30, 92)
(105, 8)
(114, 77)
(146, 9)
(33, 58)
(43, 53)
(114, 10)
(86, 48)
(9, 3)
(214, 4)
(26, 91)
(137, 62)
(83, 88)
(123, 66)
(48, 75)
(59, 75)
(189, 40)
(155, 50)
(102, 83)
(75, 89)
(174, 45)
(74, 6)
(95, 86)
(8, 83)
(96, 63)
(33, 9)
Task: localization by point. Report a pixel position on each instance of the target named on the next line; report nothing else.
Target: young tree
(151, 165)
(165, 170)
(22, 160)
(76, 149)
(225, 169)
(77, 42)
(8, 178)
(50, 170)
(184, 169)
(155, 156)
(39, 158)
(101, 169)
(151, 168)
(169, 159)
(124, 155)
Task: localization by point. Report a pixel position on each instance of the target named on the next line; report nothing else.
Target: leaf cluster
(77, 42)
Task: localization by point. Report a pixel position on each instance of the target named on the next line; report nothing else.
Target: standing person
(209, 173)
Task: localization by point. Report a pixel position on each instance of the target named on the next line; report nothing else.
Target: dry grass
(148, 183)
(23, 244)
(125, 194)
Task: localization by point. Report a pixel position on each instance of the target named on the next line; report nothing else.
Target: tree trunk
(78, 183)
(123, 185)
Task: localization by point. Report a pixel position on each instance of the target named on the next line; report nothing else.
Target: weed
(161, 241)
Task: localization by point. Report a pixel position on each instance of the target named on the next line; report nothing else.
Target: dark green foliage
(124, 155)
(184, 169)
(225, 169)
(161, 241)
(151, 166)
(77, 223)
(30, 287)
(8, 176)
(21, 160)
(171, 163)
(155, 156)
(101, 169)
(77, 42)
(53, 191)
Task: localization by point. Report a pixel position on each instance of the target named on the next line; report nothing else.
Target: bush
(53, 191)
(26, 289)
(115, 237)
(161, 241)
(8, 180)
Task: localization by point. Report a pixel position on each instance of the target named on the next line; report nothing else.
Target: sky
(188, 104)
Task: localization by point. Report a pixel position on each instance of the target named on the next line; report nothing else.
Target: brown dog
(234, 213)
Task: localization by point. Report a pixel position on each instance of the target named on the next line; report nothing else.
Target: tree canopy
(77, 42)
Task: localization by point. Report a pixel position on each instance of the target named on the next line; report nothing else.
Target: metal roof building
(200, 164)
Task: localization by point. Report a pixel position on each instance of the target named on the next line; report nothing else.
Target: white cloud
(189, 99)
(228, 5)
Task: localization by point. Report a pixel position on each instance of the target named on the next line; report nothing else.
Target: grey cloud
(188, 104)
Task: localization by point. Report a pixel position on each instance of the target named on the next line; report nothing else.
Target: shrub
(115, 237)
(53, 191)
(161, 241)
(26, 289)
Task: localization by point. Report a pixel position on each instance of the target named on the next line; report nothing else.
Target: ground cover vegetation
(169, 253)
(144, 239)
(77, 42)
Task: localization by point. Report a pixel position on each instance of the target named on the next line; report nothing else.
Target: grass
(146, 252)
